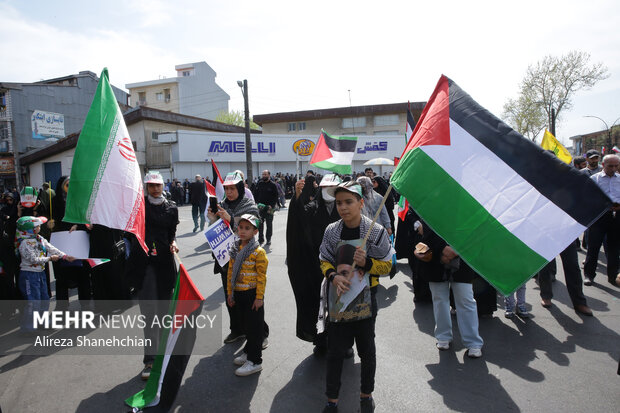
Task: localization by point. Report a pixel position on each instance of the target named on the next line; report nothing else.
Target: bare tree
(525, 116)
(551, 84)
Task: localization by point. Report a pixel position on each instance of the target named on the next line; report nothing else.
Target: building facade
(34, 115)
(146, 127)
(381, 120)
(192, 92)
(603, 141)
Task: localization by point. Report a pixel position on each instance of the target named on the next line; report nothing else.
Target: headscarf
(240, 256)
(308, 193)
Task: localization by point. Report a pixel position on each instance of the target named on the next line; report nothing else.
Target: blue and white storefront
(193, 151)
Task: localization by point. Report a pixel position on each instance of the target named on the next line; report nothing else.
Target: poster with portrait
(354, 304)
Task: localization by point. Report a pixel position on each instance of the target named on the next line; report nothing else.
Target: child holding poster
(35, 251)
(247, 276)
(352, 318)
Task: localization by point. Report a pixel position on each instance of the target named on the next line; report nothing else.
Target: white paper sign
(220, 238)
(75, 244)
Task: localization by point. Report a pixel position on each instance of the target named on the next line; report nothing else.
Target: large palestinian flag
(106, 186)
(334, 153)
(175, 347)
(505, 205)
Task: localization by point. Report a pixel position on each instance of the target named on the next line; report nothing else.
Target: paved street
(555, 361)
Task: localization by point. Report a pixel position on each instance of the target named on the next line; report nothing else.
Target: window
(159, 96)
(167, 95)
(302, 125)
(142, 98)
(354, 122)
(291, 127)
(187, 73)
(386, 120)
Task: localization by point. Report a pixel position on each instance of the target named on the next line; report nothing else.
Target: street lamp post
(609, 129)
(248, 141)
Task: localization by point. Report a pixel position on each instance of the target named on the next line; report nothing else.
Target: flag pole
(50, 187)
(374, 220)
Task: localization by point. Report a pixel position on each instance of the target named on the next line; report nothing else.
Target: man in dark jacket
(266, 197)
(198, 199)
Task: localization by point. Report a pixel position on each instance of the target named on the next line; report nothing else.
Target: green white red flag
(505, 205)
(106, 186)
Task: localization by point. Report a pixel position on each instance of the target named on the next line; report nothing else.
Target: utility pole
(552, 126)
(18, 181)
(248, 140)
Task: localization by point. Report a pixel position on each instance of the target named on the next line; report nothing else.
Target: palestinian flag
(410, 127)
(175, 347)
(549, 142)
(218, 182)
(334, 153)
(105, 186)
(505, 205)
(403, 207)
(93, 262)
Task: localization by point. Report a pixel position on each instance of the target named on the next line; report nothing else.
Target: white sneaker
(248, 368)
(474, 353)
(265, 343)
(240, 361)
(443, 345)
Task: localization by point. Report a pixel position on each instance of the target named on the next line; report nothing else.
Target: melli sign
(218, 146)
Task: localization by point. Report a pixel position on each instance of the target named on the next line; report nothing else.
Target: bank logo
(303, 147)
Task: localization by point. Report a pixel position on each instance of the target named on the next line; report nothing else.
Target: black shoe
(195, 229)
(587, 281)
(330, 408)
(319, 351)
(349, 353)
(367, 405)
(268, 243)
(232, 337)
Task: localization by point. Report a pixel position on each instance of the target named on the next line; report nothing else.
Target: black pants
(607, 225)
(572, 275)
(70, 276)
(236, 322)
(253, 322)
(340, 337)
(154, 298)
(236, 327)
(266, 220)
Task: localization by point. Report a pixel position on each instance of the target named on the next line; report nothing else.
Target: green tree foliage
(551, 84)
(235, 117)
(525, 116)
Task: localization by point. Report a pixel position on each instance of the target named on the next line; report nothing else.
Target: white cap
(330, 180)
(153, 177)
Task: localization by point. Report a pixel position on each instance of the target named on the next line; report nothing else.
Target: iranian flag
(334, 153)
(106, 186)
(504, 204)
(174, 349)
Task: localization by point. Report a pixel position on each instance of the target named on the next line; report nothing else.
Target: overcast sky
(300, 56)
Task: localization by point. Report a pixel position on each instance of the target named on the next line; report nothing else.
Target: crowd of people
(335, 253)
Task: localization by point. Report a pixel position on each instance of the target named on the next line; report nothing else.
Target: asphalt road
(555, 361)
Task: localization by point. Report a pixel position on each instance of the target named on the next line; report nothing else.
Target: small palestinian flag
(410, 127)
(334, 153)
(175, 348)
(403, 206)
(218, 182)
(93, 262)
(504, 204)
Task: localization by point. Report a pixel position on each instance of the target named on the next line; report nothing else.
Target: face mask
(326, 196)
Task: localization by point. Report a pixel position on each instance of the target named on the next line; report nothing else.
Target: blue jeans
(509, 300)
(466, 312)
(33, 287)
(198, 211)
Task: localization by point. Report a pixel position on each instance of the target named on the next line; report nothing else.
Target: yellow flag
(550, 142)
